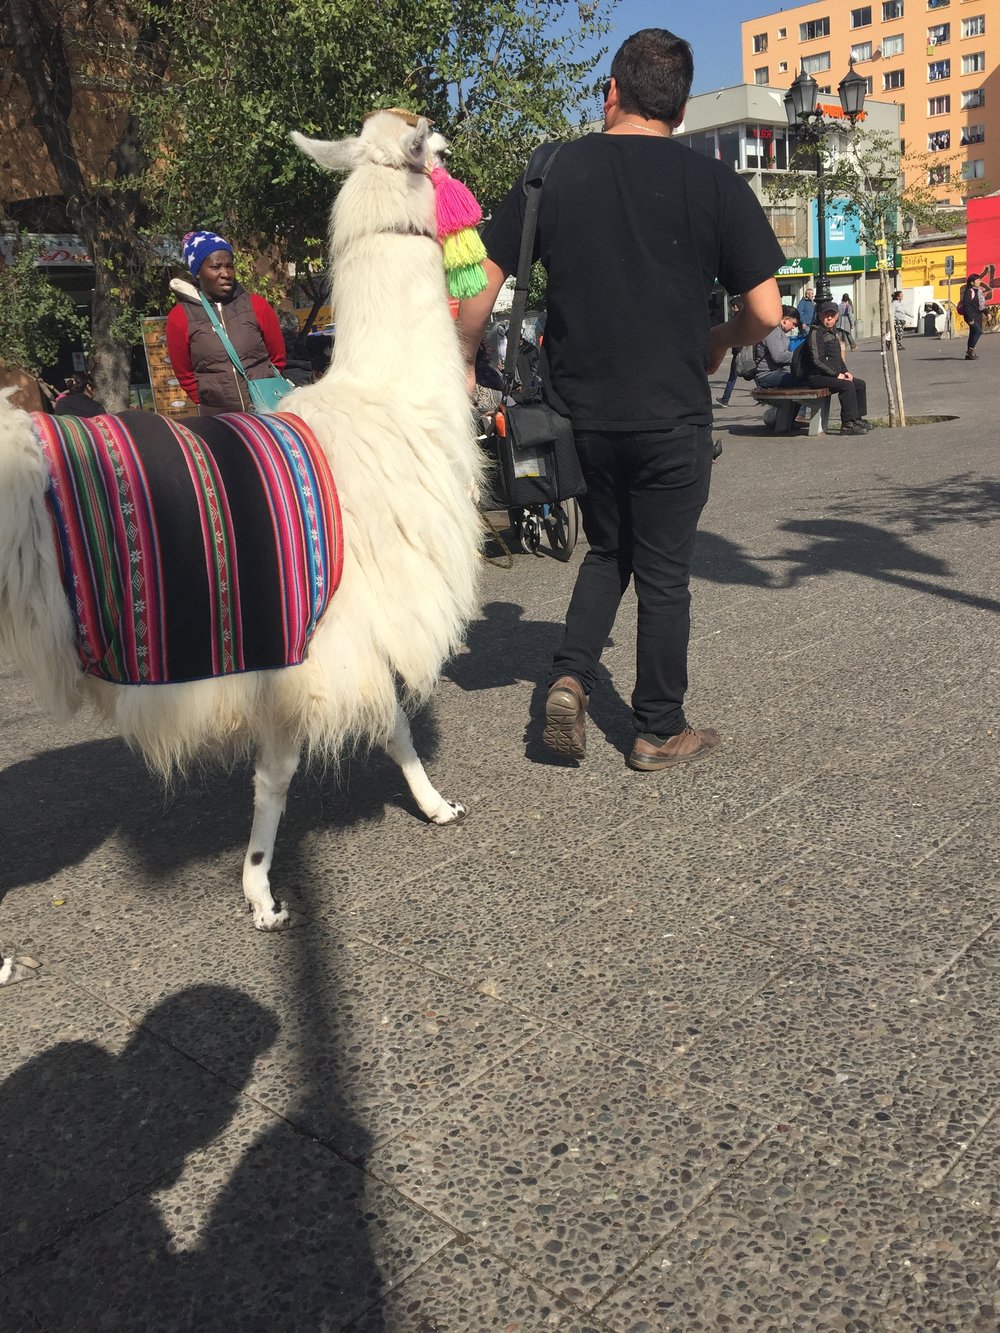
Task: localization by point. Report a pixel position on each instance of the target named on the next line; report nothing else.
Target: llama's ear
(331, 154)
(414, 142)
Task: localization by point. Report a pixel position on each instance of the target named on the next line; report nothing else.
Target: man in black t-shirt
(633, 231)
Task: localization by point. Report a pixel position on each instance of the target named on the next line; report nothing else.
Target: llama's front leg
(277, 761)
(16, 969)
(399, 746)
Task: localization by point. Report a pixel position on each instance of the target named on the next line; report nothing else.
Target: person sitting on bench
(827, 370)
(773, 356)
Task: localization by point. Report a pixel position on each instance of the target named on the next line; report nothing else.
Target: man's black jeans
(645, 493)
(853, 394)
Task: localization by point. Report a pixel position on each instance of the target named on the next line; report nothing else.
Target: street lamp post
(808, 122)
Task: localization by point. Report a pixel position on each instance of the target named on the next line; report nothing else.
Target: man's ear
(676, 123)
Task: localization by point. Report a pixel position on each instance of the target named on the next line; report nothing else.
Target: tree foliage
(34, 314)
(201, 99)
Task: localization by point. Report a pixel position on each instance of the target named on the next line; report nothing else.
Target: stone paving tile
(796, 1239)
(467, 1290)
(276, 1234)
(569, 1161)
(905, 922)
(632, 985)
(92, 1111)
(891, 1073)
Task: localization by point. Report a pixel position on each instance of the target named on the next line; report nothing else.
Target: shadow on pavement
(90, 1138)
(965, 497)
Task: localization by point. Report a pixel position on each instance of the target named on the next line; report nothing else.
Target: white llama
(392, 416)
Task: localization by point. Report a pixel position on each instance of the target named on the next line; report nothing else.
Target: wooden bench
(787, 403)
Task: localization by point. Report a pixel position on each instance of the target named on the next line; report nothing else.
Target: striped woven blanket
(191, 549)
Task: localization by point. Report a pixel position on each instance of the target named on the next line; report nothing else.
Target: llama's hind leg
(399, 746)
(277, 760)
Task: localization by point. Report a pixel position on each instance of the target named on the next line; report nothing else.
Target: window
(939, 141)
(824, 90)
(974, 64)
(974, 170)
(782, 66)
(782, 34)
(896, 78)
(760, 44)
(892, 9)
(868, 86)
(939, 34)
(973, 98)
(939, 175)
(892, 46)
(938, 4)
(939, 106)
(783, 224)
(861, 52)
(808, 32)
(861, 18)
(814, 64)
(973, 133)
(902, 148)
(760, 76)
(974, 27)
(939, 69)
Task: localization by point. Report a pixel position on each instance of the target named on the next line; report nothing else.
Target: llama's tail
(36, 627)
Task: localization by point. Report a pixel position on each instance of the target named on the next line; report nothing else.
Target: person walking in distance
(727, 392)
(846, 320)
(627, 356)
(806, 310)
(973, 305)
(828, 370)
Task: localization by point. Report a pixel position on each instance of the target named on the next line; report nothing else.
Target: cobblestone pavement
(708, 1049)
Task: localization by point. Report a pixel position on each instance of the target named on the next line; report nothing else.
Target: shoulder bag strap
(538, 165)
(234, 356)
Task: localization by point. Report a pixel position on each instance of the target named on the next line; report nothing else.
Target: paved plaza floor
(717, 1048)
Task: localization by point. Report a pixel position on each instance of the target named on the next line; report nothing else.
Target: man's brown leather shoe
(680, 749)
(566, 718)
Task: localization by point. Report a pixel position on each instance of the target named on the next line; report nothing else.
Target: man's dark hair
(653, 70)
(789, 312)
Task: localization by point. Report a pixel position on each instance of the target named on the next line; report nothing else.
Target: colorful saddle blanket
(191, 549)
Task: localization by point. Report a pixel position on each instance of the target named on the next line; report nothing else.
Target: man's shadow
(89, 1139)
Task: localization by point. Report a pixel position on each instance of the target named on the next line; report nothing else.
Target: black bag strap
(538, 165)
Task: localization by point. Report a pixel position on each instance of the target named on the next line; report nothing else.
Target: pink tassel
(454, 203)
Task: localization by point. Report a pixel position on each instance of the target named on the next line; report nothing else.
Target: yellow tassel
(463, 248)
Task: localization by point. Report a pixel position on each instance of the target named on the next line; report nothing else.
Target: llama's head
(386, 140)
(373, 199)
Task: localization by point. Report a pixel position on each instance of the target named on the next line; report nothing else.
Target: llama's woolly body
(393, 417)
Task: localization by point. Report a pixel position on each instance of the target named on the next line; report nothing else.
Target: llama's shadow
(63, 805)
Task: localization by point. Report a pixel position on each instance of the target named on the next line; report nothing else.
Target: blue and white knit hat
(198, 245)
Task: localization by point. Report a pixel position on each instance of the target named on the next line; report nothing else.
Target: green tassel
(463, 248)
(469, 280)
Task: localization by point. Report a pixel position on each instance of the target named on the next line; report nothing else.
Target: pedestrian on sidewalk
(806, 310)
(846, 320)
(727, 392)
(973, 305)
(828, 370)
(78, 400)
(627, 357)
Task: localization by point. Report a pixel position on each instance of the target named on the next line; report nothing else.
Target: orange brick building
(939, 60)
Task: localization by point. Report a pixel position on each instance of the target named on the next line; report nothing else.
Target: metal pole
(822, 281)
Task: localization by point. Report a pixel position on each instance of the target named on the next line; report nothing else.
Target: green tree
(201, 99)
(34, 315)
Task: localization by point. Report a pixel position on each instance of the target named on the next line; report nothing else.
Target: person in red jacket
(200, 362)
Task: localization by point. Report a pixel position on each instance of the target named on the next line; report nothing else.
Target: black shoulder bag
(534, 443)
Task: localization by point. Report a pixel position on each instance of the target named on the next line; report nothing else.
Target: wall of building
(923, 266)
(934, 88)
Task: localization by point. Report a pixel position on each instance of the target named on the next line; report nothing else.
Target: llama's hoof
(278, 918)
(17, 969)
(452, 812)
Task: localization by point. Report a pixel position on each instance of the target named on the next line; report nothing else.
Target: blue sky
(711, 26)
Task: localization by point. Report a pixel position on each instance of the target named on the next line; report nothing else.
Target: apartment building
(939, 60)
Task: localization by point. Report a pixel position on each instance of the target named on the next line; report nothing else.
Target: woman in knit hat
(200, 362)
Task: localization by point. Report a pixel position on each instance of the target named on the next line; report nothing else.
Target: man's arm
(473, 315)
(760, 314)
